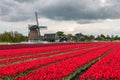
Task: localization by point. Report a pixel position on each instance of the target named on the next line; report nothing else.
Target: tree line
(12, 37)
(79, 37)
(16, 37)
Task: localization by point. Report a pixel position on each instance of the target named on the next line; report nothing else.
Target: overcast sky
(71, 16)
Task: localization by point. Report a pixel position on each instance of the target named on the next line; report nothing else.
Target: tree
(99, 38)
(108, 38)
(75, 39)
(89, 38)
(12, 37)
(92, 37)
(116, 37)
(103, 37)
(69, 37)
(60, 33)
(80, 37)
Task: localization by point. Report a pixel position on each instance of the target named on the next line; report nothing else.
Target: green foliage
(1, 79)
(12, 37)
(107, 38)
(60, 33)
(79, 37)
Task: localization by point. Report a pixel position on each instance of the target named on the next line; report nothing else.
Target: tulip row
(106, 68)
(58, 71)
(19, 46)
(38, 55)
(41, 55)
(28, 57)
(12, 70)
(28, 51)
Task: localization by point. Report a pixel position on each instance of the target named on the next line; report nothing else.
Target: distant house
(80, 37)
(50, 37)
(63, 39)
(54, 38)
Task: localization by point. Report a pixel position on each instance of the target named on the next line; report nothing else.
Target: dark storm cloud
(20, 10)
(83, 11)
(25, 1)
(14, 11)
(4, 10)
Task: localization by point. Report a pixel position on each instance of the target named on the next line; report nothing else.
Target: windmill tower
(34, 31)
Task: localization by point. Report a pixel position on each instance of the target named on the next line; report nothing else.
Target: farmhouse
(54, 38)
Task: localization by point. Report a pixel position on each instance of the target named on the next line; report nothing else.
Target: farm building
(50, 37)
(54, 38)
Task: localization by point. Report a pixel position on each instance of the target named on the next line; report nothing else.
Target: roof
(33, 27)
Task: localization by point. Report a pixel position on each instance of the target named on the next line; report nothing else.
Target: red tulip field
(63, 61)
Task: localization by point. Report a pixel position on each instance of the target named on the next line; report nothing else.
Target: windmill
(34, 31)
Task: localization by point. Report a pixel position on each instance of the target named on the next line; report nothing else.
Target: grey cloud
(4, 10)
(85, 21)
(25, 1)
(83, 11)
(16, 18)
(19, 10)
(15, 12)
